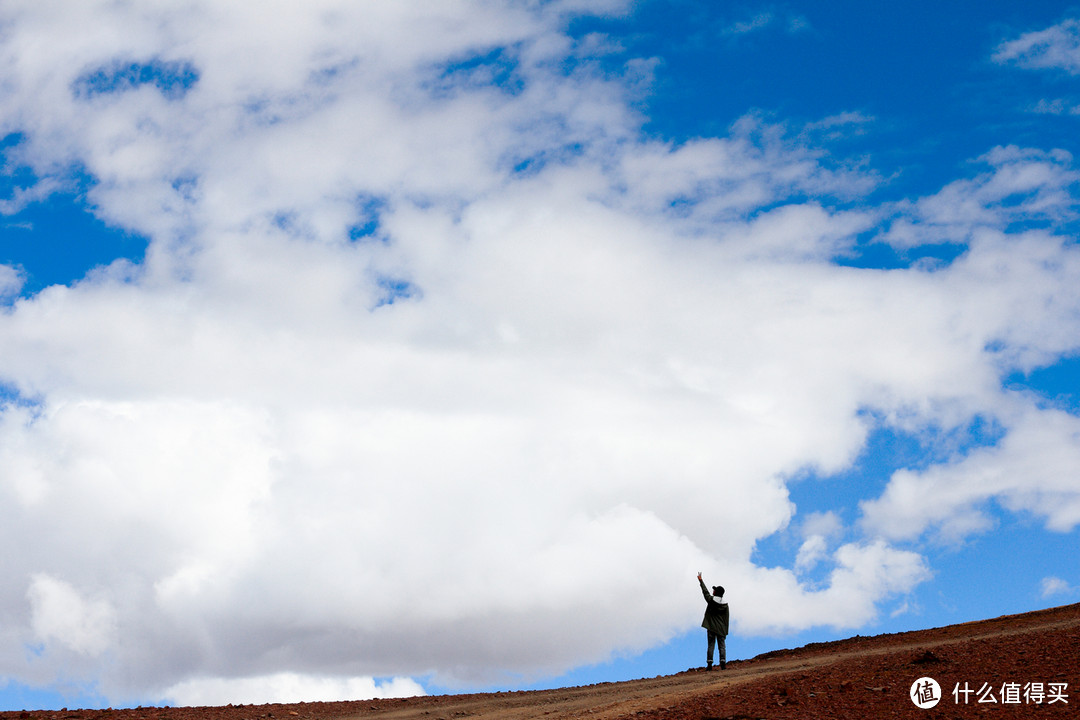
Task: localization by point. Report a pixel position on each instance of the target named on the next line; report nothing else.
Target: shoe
(709, 666)
(723, 665)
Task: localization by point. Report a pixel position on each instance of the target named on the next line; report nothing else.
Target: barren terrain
(1028, 664)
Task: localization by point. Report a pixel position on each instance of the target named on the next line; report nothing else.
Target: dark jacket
(716, 613)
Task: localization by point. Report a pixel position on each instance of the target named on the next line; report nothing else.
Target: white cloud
(790, 22)
(11, 281)
(759, 21)
(1032, 470)
(23, 196)
(1058, 106)
(287, 688)
(810, 552)
(254, 467)
(818, 529)
(772, 601)
(60, 615)
(1056, 47)
(1022, 185)
(824, 524)
(1051, 586)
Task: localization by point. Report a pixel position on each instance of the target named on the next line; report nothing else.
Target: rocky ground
(1017, 666)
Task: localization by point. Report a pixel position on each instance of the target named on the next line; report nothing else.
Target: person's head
(718, 591)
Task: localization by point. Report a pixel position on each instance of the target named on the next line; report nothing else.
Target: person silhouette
(715, 622)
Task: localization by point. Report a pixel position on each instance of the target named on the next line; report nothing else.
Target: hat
(718, 590)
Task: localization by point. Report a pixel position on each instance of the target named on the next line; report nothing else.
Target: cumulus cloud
(863, 574)
(11, 282)
(286, 688)
(59, 615)
(818, 530)
(433, 360)
(1032, 470)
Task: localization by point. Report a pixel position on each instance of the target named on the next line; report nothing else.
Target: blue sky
(378, 350)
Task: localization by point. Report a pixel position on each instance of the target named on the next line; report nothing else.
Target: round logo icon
(925, 692)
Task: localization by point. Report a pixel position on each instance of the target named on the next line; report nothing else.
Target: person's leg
(721, 642)
(712, 644)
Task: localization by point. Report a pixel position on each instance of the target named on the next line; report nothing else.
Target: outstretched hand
(699, 576)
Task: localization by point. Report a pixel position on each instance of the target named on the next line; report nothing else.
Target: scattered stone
(927, 658)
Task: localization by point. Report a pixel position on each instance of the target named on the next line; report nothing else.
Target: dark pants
(720, 642)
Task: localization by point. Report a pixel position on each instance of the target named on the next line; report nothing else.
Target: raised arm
(704, 590)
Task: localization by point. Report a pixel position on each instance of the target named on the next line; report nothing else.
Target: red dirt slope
(1028, 664)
